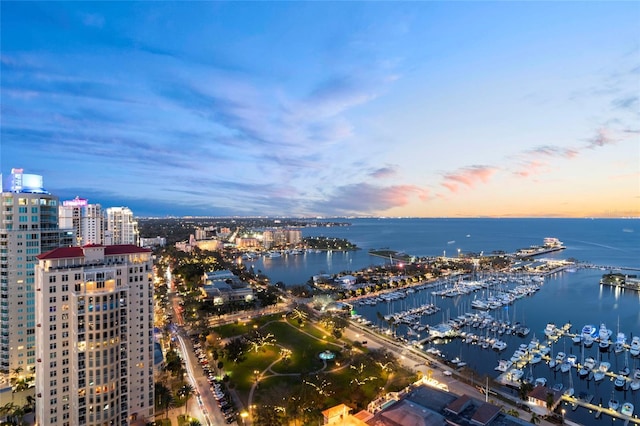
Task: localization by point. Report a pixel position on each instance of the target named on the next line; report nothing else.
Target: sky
(421, 109)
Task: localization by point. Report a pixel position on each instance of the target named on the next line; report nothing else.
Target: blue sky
(327, 108)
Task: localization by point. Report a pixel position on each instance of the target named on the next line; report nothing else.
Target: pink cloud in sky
(603, 137)
(531, 168)
(468, 176)
(368, 198)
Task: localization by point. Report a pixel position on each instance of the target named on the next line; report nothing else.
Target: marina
(573, 295)
(511, 345)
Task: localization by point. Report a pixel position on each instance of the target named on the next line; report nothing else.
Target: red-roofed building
(94, 335)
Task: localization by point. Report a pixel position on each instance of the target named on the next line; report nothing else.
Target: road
(207, 412)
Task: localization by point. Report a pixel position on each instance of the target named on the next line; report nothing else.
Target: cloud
(626, 102)
(553, 151)
(468, 177)
(365, 198)
(383, 172)
(337, 94)
(602, 138)
(531, 168)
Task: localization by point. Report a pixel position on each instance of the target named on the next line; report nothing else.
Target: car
(447, 372)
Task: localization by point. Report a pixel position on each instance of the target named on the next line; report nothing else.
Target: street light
(563, 413)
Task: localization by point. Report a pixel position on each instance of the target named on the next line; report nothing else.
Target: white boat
(535, 358)
(634, 385)
(587, 341)
(499, 345)
(619, 382)
(634, 347)
(621, 340)
(604, 333)
(577, 339)
(560, 357)
(515, 374)
(614, 404)
(589, 330)
(627, 409)
(589, 363)
(504, 365)
(272, 254)
(572, 360)
(550, 330)
(565, 367)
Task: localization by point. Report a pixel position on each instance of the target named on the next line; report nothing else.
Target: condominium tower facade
(120, 226)
(94, 336)
(28, 226)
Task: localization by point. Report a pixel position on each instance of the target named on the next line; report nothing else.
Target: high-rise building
(28, 227)
(92, 224)
(120, 226)
(94, 336)
(70, 216)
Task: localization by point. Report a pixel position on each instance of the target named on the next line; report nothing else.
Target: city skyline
(426, 109)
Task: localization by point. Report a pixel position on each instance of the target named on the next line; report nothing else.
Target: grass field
(354, 377)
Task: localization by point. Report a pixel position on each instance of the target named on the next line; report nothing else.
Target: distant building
(87, 220)
(247, 243)
(94, 336)
(346, 280)
(223, 287)
(120, 226)
(279, 237)
(153, 242)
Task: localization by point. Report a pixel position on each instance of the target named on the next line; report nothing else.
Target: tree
(524, 390)
(163, 397)
(257, 340)
(534, 418)
(235, 349)
(550, 401)
(185, 392)
(194, 422)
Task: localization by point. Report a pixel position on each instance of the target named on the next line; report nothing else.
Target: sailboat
(625, 370)
(570, 390)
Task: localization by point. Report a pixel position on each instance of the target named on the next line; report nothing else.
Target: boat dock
(599, 410)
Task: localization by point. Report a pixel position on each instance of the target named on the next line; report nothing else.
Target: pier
(600, 410)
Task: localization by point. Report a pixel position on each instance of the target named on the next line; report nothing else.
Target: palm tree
(194, 422)
(535, 419)
(162, 394)
(185, 392)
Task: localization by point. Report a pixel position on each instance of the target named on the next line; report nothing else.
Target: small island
(325, 243)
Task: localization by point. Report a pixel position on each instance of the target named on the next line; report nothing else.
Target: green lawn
(243, 327)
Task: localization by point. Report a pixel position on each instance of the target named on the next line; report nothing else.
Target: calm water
(565, 297)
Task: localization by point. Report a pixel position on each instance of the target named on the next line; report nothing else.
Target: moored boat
(627, 409)
(619, 382)
(634, 347)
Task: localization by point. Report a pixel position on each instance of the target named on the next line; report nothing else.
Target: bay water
(567, 297)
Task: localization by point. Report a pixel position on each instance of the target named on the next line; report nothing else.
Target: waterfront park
(289, 367)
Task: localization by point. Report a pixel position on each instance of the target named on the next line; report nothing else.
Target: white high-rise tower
(120, 226)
